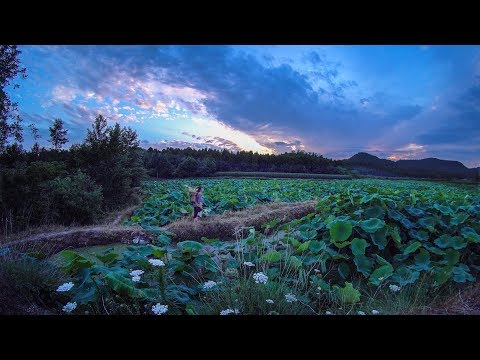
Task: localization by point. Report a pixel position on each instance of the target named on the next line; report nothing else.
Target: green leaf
(445, 210)
(374, 212)
(316, 246)
(441, 274)
(307, 235)
(189, 246)
(470, 234)
(344, 270)
(427, 222)
(123, 286)
(108, 258)
(295, 262)
(451, 257)
(382, 261)
(412, 247)
(364, 264)
(372, 225)
(459, 243)
(407, 223)
(347, 294)
(358, 246)
(396, 236)
(271, 256)
(433, 249)
(379, 238)
(163, 240)
(422, 260)
(461, 274)
(304, 246)
(421, 235)
(459, 219)
(444, 241)
(380, 274)
(405, 275)
(340, 231)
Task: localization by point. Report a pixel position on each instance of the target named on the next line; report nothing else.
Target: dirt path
(218, 226)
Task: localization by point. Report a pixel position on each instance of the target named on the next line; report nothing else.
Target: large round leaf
(405, 275)
(379, 238)
(272, 256)
(380, 274)
(358, 246)
(372, 225)
(347, 294)
(364, 264)
(340, 231)
(374, 212)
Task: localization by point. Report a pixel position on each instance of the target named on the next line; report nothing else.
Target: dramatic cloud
(394, 101)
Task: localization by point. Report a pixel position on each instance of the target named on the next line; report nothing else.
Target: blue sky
(397, 102)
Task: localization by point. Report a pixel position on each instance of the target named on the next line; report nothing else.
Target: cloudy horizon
(395, 102)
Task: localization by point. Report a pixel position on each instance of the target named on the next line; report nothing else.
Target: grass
(259, 174)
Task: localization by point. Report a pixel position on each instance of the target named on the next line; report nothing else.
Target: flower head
(248, 263)
(394, 288)
(209, 284)
(156, 262)
(159, 309)
(260, 278)
(69, 307)
(136, 278)
(229, 311)
(361, 313)
(270, 301)
(290, 298)
(136, 272)
(375, 312)
(65, 287)
(328, 313)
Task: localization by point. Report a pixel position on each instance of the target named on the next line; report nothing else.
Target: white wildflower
(248, 263)
(229, 311)
(260, 278)
(156, 262)
(136, 240)
(270, 301)
(136, 272)
(236, 311)
(136, 278)
(65, 287)
(209, 284)
(394, 288)
(290, 298)
(375, 312)
(316, 270)
(159, 309)
(328, 313)
(360, 313)
(69, 307)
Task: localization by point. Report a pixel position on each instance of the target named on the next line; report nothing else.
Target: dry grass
(464, 302)
(224, 226)
(51, 243)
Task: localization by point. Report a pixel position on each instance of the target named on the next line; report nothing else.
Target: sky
(392, 101)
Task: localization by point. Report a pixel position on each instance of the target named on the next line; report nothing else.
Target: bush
(73, 199)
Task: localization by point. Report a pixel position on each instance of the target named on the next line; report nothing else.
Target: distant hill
(368, 164)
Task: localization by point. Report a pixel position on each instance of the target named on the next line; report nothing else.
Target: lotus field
(367, 243)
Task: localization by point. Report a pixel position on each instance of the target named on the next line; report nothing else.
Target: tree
(58, 135)
(36, 136)
(10, 121)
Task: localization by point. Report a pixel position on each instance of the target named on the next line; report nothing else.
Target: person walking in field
(198, 203)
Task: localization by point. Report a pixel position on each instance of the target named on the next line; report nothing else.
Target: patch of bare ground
(225, 226)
